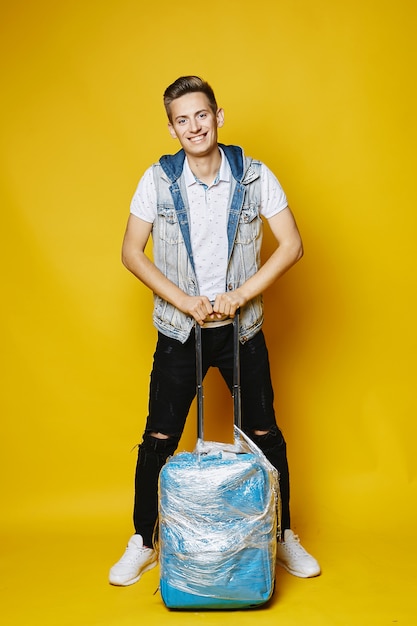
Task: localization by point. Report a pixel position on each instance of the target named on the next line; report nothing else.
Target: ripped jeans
(172, 390)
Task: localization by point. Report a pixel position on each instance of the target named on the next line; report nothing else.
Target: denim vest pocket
(168, 226)
(249, 226)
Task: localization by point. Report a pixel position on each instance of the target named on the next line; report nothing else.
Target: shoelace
(295, 546)
(133, 554)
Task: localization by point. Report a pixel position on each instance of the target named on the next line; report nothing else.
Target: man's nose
(195, 125)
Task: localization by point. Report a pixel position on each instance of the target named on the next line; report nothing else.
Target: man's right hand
(199, 308)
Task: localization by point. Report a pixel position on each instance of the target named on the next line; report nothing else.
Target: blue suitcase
(218, 512)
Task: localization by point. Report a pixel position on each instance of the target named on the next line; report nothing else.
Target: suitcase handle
(236, 377)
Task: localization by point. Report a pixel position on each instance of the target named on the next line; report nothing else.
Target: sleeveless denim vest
(172, 250)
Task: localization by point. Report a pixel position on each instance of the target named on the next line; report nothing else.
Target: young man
(203, 207)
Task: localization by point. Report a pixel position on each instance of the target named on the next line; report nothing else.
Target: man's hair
(188, 84)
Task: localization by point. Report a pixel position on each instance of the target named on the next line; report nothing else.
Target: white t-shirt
(208, 218)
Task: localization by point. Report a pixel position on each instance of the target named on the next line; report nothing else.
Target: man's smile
(198, 138)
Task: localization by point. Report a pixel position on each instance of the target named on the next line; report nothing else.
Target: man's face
(194, 124)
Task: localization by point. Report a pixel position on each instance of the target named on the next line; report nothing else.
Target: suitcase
(218, 512)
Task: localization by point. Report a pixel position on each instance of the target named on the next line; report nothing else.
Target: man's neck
(205, 168)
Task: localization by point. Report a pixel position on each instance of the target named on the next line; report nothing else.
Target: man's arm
(288, 251)
(136, 261)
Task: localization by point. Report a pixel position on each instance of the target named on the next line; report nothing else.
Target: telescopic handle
(237, 411)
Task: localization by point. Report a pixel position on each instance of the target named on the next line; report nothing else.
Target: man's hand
(197, 307)
(226, 304)
(202, 310)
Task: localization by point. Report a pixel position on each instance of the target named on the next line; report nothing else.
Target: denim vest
(172, 251)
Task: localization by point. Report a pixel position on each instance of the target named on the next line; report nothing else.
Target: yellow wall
(324, 93)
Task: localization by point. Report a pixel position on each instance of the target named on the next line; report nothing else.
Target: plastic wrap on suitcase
(218, 526)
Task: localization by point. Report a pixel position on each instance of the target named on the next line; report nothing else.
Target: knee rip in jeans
(161, 445)
(159, 435)
(267, 439)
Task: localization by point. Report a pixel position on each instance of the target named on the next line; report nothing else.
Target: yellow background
(324, 93)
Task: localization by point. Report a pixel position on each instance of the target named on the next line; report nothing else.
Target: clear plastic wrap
(218, 513)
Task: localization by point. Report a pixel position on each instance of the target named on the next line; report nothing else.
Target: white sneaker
(136, 560)
(292, 556)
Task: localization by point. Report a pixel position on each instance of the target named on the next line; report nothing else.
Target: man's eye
(202, 115)
(182, 120)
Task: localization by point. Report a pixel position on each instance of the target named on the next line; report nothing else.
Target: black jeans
(172, 390)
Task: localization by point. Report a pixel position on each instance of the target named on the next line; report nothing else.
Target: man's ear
(220, 118)
(172, 131)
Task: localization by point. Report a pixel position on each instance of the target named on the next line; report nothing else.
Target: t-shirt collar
(224, 171)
